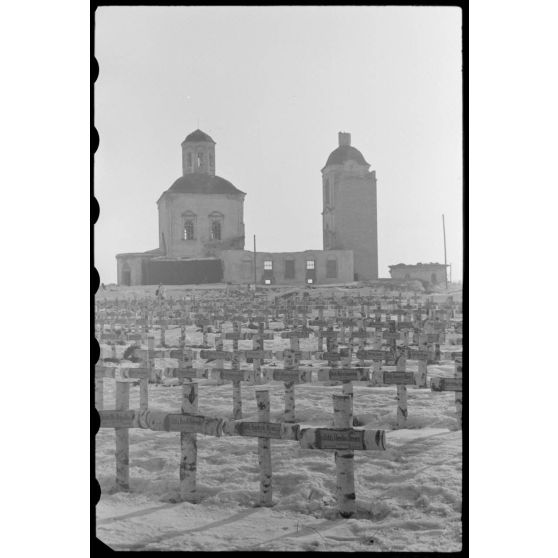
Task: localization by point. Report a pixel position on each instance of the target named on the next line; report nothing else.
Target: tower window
(310, 264)
(331, 269)
(268, 265)
(326, 193)
(189, 230)
(211, 160)
(200, 160)
(189, 160)
(215, 230)
(289, 269)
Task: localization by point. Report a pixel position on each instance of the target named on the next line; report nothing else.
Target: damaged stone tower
(201, 214)
(350, 219)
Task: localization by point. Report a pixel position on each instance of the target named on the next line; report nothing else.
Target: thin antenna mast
(445, 259)
(255, 275)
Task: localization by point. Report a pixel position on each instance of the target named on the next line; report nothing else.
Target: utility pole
(445, 259)
(255, 274)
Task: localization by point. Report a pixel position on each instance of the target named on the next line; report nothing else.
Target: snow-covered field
(408, 497)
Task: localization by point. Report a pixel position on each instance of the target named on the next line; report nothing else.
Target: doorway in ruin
(126, 275)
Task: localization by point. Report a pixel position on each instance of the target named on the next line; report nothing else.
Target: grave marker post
(344, 459)
(188, 440)
(291, 361)
(235, 365)
(320, 336)
(163, 326)
(459, 394)
(258, 345)
(150, 349)
(99, 384)
(122, 438)
(219, 362)
(264, 450)
(402, 410)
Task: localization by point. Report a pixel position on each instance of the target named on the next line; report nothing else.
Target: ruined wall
(133, 263)
(238, 266)
(422, 273)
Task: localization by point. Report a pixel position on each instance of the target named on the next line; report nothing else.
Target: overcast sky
(273, 86)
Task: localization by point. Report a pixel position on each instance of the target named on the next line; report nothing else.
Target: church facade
(201, 228)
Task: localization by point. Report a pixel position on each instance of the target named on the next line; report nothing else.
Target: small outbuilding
(433, 273)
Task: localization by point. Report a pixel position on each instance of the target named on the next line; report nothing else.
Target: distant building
(350, 219)
(201, 236)
(433, 273)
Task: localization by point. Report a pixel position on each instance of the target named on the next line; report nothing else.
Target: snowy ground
(408, 497)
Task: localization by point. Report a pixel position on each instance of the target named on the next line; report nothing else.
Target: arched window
(326, 193)
(189, 225)
(189, 160)
(433, 279)
(189, 230)
(200, 159)
(216, 225)
(215, 230)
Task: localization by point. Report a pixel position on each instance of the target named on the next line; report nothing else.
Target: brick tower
(350, 207)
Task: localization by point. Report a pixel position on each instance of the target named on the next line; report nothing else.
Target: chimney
(344, 138)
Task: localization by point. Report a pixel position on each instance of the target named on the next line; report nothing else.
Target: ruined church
(201, 228)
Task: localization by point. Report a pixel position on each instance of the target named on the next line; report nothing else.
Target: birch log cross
(290, 375)
(120, 374)
(123, 419)
(258, 352)
(452, 384)
(401, 378)
(344, 440)
(188, 440)
(122, 404)
(422, 359)
(264, 450)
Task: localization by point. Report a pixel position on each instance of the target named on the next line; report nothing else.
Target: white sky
(273, 86)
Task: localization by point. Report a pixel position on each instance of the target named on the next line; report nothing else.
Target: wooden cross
(344, 440)
(452, 384)
(290, 375)
(401, 378)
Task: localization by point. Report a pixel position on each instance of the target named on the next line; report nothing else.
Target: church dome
(345, 153)
(198, 135)
(201, 183)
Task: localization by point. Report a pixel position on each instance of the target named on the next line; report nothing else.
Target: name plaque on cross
(390, 335)
(371, 354)
(418, 355)
(342, 439)
(446, 384)
(347, 374)
(292, 375)
(257, 354)
(117, 419)
(260, 429)
(329, 356)
(294, 334)
(224, 355)
(330, 333)
(398, 378)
